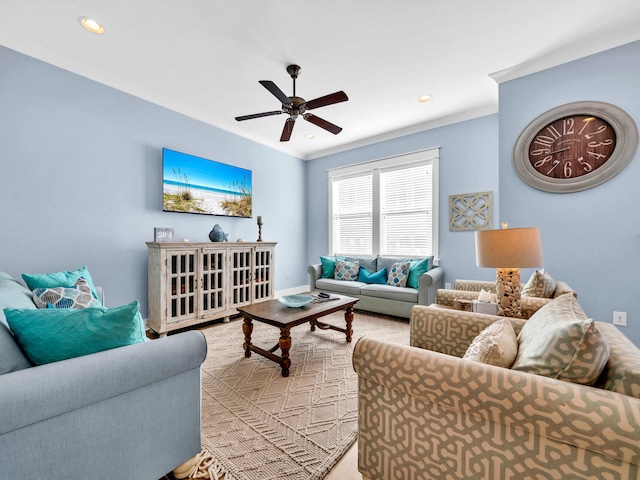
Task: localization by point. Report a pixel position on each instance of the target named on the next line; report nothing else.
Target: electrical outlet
(620, 318)
(447, 286)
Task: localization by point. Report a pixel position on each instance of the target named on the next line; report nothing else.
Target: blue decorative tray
(295, 300)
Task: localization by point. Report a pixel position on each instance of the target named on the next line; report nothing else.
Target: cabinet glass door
(213, 281)
(262, 275)
(182, 285)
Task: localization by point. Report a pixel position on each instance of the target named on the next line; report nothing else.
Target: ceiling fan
(295, 106)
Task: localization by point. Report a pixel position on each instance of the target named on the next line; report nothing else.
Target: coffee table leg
(285, 345)
(247, 328)
(348, 317)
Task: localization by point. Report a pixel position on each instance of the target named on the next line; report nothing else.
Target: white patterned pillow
(399, 274)
(559, 341)
(495, 345)
(540, 285)
(346, 270)
(78, 296)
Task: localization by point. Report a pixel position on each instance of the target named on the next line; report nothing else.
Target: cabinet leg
(247, 328)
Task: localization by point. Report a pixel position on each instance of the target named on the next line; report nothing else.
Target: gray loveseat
(129, 412)
(386, 299)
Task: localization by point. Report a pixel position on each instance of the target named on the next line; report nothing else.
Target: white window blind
(387, 206)
(405, 210)
(353, 215)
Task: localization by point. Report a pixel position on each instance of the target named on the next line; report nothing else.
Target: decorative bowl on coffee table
(295, 300)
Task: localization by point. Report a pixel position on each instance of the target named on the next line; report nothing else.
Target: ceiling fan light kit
(295, 106)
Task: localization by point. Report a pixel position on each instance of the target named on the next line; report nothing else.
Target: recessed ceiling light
(310, 136)
(91, 25)
(425, 98)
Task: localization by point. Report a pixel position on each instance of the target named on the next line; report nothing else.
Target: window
(385, 207)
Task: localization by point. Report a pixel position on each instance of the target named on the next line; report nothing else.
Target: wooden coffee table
(272, 312)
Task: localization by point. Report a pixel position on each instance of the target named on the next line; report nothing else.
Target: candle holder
(259, 229)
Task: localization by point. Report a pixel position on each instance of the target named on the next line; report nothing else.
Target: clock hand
(561, 150)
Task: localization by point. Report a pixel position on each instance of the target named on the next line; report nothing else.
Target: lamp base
(508, 292)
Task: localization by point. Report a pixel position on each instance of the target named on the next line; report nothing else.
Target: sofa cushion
(398, 274)
(11, 356)
(13, 295)
(496, 345)
(79, 296)
(387, 262)
(622, 372)
(54, 334)
(391, 293)
(329, 265)
(339, 286)
(559, 341)
(379, 277)
(58, 279)
(540, 284)
(370, 263)
(417, 268)
(346, 271)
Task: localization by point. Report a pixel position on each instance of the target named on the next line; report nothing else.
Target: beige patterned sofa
(425, 413)
(469, 289)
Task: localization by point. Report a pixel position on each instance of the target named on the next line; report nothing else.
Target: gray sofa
(129, 412)
(386, 299)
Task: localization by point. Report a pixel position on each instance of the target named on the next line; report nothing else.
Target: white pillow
(495, 345)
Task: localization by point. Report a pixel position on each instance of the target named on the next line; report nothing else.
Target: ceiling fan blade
(322, 123)
(258, 115)
(288, 128)
(330, 99)
(273, 88)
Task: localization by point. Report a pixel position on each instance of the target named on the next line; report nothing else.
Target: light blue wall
(80, 181)
(468, 163)
(591, 238)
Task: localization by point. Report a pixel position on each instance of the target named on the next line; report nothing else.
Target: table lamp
(508, 250)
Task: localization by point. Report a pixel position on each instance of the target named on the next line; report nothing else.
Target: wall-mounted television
(192, 184)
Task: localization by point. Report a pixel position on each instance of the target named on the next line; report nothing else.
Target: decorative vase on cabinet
(193, 283)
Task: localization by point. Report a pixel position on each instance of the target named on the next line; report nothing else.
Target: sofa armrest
(428, 284)
(315, 272)
(482, 395)
(475, 285)
(38, 393)
(449, 331)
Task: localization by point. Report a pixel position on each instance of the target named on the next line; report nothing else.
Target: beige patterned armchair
(469, 289)
(425, 413)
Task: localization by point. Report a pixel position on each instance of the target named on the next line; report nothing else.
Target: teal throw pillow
(329, 265)
(58, 279)
(417, 268)
(398, 274)
(379, 277)
(53, 334)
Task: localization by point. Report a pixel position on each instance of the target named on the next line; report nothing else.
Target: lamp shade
(509, 248)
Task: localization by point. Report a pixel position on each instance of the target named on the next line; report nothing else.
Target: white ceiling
(204, 58)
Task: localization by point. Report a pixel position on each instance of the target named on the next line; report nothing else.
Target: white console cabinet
(192, 283)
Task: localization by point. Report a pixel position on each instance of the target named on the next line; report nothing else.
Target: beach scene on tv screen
(196, 185)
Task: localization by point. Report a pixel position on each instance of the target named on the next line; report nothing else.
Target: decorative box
(463, 304)
(485, 307)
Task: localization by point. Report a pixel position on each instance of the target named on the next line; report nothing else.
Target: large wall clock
(575, 146)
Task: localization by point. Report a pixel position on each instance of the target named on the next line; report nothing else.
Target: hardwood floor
(347, 467)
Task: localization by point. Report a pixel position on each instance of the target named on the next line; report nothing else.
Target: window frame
(428, 156)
